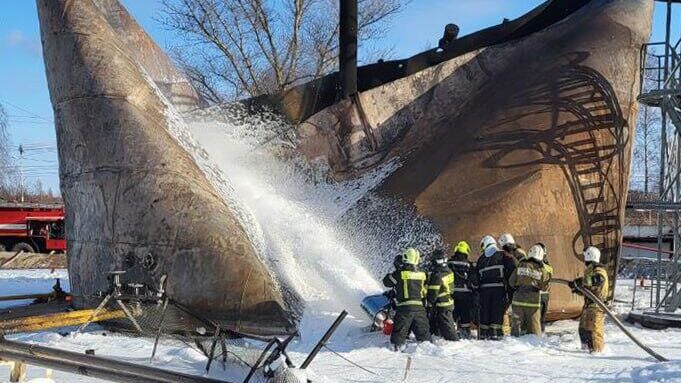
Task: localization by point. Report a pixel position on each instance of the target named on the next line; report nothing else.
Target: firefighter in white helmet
(528, 280)
(591, 324)
(493, 269)
(509, 245)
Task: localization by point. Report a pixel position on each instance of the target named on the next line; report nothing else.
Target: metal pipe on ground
(25, 296)
(92, 366)
(49, 321)
(588, 294)
(325, 338)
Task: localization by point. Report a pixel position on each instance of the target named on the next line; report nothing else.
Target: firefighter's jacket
(516, 252)
(409, 284)
(528, 280)
(459, 264)
(494, 271)
(549, 269)
(595, 280)
(440, 286)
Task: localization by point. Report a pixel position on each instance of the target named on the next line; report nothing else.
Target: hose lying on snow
(612, 316)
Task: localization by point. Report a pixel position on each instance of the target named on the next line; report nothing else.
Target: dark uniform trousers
(493, 304)
(463, 309)
(544, 309)
(443, 323)
(410, 318)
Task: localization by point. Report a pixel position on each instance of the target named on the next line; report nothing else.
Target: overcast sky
(23, 87)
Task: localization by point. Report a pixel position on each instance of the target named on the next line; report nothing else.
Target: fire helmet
(463, 248)
(487, 241)
(411, 256)
(592, 254)
(506, 239)
(536, 252)
(438, 257)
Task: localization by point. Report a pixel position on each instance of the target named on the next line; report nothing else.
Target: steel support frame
(666, 92)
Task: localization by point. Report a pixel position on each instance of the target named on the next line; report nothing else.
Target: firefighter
(591, 324)
(463, 295)
(545, 293)
(493, 269)
(528, 280)
(410, 315)
(508, 244)
(439, 298)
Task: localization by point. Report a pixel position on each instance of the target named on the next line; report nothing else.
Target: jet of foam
(296, 214)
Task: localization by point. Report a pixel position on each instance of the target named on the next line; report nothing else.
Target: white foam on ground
(555, 358)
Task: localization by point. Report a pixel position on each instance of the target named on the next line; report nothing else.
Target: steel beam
(92, 366)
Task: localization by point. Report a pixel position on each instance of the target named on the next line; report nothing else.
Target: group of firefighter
(505, 291)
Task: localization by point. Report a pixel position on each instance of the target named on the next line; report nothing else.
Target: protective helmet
(487, 241)
(506, 239)
(438, 257)
(463, 248)
(411, 256)
(536, 252)
(592, 254)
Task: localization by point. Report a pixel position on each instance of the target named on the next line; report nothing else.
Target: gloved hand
(574, 284)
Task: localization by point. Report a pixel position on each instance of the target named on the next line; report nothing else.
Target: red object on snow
(388, 326)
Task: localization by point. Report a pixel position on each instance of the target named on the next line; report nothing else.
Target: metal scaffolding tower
(660, 87)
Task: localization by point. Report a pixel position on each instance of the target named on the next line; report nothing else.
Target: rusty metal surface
(525, 127)
(136, 199)
(531, 137)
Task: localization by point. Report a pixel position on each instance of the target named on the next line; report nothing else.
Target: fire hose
(612, 316)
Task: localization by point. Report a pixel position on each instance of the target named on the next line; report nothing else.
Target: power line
(4, 101)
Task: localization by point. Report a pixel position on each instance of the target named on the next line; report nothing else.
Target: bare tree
(647, 146)
(646, 161)
(237, 48)
(5, 147)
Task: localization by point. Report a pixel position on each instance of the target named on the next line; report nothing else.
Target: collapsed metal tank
(136, 200)
(525, 127)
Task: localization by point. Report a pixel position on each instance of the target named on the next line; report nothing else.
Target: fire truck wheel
(2, 247)
(23, 246)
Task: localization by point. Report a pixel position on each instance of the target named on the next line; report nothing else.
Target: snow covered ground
(556, 357)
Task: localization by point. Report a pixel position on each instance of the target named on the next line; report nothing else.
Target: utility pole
(347, 56)
(21, 172)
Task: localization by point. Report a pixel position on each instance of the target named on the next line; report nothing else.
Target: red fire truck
(32, 227)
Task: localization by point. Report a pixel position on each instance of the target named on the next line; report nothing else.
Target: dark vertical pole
(325, 338)
(347, 55)
(663, 154)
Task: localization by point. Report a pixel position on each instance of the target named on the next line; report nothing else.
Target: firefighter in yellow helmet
(410, 290)
(592, 322)
(462, 293)
(439, 298)
(528, 280)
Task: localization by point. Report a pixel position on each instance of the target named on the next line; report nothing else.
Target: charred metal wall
(136, 200)
(531, 137)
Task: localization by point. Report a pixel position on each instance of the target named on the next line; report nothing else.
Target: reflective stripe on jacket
(528, 279)
(440, 286)
(495, 270)
(596, 281)
(409, 285)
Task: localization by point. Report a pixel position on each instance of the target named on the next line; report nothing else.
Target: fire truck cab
(32, 228)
